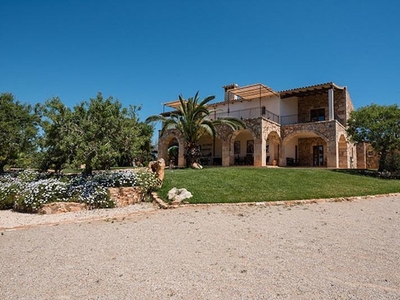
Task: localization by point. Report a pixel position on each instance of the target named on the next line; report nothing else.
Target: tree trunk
(88, 170)
(382, 160)
(192, 154)
(2, 167)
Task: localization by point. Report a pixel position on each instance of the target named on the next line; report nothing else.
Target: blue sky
(149, 52)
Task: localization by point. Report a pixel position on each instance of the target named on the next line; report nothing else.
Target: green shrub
(8, 195)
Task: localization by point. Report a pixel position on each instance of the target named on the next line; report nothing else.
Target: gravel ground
(331, 250)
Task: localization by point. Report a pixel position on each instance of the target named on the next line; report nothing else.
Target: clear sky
(149, 52)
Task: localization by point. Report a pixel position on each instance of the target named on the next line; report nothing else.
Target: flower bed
(29, 191)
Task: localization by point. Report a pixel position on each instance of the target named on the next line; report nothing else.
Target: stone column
(361, 156)
(282, 156)
(331, 104)
(332, 151)
(226, 153)
(259, 152)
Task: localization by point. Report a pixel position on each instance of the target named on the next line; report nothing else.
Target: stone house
(297, 127)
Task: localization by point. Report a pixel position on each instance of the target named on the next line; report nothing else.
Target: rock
(61, 207)
(176, 196)
(196, 165)
(124, 196)
(158, 167)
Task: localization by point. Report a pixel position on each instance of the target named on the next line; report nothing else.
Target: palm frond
(155, 118)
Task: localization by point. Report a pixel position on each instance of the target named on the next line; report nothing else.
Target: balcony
(250, 113)
(289, 119)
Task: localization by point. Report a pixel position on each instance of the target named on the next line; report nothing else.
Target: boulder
(158, 167)
(176, 196)
(196, 165)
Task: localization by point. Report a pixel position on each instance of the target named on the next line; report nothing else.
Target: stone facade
(317, 138)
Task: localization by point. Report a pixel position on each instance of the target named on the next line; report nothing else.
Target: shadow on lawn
(369, 173)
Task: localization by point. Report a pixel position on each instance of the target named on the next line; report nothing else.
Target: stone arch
(273, 148)
(171, 136)
(242, 147)
(304, 133)
(211, 150)
(173, 152)
(305, 148)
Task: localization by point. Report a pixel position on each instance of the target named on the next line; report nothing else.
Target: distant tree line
(99, 134)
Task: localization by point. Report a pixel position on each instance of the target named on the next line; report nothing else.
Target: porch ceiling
(253, 91)
(309, 90)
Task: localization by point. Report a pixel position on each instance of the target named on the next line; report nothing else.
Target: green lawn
(248, 184)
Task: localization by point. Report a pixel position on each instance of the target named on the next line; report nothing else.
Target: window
(236, 147)
(318, 156)
(317, 115)
(250, 147)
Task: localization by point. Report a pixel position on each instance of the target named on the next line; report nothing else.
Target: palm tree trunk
(192, 154)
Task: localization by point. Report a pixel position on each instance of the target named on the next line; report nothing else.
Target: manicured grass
(247, 184)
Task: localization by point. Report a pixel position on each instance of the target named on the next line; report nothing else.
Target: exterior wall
(349, 107)
(342, 102)
(361, 156)
(305, 104)
(289, 107)
(290, 148)
(306, 150)
(367, 158)
(372, 157)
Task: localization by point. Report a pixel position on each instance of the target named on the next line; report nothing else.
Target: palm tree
(191, 120)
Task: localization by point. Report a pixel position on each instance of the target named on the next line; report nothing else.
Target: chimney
(228, 95)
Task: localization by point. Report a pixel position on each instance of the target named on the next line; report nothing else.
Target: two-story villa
(297, 127)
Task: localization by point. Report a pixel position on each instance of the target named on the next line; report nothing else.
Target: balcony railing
(289, 119)
(250, 113)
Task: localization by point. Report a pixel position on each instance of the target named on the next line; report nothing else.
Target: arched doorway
(272, 149)
(243, 148)
(306, 148)
(173, 153)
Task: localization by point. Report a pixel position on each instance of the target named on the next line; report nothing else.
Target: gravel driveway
(336, 250)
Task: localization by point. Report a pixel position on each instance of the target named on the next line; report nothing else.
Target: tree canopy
(191, 120)
(378, 125)
(18, 130)
(98, 133)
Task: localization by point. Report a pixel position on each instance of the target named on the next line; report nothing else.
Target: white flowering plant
(30, 190)
(36, 193)
(116, 178)
(147, 182)
(86, 190)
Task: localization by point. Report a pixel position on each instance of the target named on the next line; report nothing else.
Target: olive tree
(378, 125)
(18, 130)
(98, 133)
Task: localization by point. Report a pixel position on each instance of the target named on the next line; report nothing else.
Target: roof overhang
(310, 90)
(174, 104)
(253, 91)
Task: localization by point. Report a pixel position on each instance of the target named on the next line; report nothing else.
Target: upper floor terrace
(323, 102)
